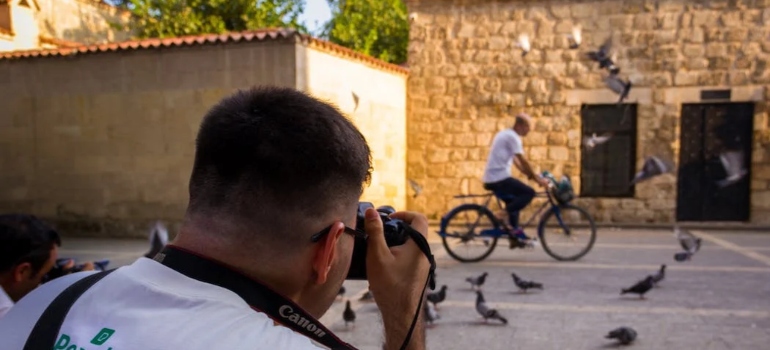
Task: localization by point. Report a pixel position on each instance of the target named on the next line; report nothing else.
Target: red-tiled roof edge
(254, 35)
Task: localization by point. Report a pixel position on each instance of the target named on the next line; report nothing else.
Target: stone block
(560, 11)
(693, 50)
(704, 18)
(584, 10)
(644, 21)
(498, 43)
(668, 21)
(683, 78)
(697, 63)
(558, 153)
(760, 200)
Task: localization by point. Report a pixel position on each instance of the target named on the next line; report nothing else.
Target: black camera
(396, 233)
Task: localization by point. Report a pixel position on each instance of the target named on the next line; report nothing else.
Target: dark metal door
(707, 131)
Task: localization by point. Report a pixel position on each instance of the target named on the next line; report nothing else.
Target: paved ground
(719, 300)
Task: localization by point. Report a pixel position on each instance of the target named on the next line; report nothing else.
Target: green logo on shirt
(102, 337)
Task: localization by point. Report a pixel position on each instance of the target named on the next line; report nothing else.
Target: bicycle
(559, 197)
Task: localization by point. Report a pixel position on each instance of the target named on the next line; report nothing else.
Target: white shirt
(147, 305)
(5, 303)
(505, 145)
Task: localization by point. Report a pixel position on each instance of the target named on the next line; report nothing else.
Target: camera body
(395, 235)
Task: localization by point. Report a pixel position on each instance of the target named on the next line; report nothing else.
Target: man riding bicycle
(507, 149)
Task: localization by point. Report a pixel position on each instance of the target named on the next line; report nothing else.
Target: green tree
(170, 18)
(379, 28)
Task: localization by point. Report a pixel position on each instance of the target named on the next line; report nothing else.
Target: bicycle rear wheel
(567, 232)
(469, 232)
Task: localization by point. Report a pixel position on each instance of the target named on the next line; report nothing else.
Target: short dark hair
(25, 238)
(277, 157)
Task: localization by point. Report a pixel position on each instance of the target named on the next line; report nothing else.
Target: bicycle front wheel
(567, 232)
(469, 233)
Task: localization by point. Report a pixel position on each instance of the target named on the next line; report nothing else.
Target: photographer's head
(272, 167)
(28, 250)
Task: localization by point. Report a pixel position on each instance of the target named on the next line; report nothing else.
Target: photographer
(273, 167)
(28, 251)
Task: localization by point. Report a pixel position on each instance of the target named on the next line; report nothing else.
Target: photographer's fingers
(416, 220)
(376, 242)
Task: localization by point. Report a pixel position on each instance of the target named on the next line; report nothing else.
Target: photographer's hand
(397, 276)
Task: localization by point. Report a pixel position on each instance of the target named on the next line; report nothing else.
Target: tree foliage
(170, 18)
(379, 28)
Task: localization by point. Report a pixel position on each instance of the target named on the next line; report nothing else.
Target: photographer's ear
(22, 272)
(326, 250)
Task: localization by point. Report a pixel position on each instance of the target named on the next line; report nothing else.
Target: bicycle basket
(563, 192)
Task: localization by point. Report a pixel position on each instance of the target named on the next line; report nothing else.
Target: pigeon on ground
(523, 44)
(436, 297)
(624, 335)
(341, 292)
(575, 38)
(349, 316)
(660, 275)
(476, 282)
(524, 285)
(355, 100)
(653, 166)
(367, 296)
(158, 239)
(593, 140)
(604, 57)
(618, 86)
(415, 187)
(640, 287)
(430, 313)
(733, 161)
(485, 311)
(689, 243)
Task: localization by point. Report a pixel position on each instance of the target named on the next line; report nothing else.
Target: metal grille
(607, 169)
(707, 130)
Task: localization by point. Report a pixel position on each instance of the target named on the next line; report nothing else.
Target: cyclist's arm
(523, 165)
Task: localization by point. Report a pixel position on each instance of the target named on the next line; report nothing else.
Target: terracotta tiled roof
(255, 35)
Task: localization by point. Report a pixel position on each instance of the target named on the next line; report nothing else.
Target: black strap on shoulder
(43, 335)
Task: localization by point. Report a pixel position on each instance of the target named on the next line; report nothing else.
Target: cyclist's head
(522, 124)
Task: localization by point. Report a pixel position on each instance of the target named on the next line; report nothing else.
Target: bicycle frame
(501, 228)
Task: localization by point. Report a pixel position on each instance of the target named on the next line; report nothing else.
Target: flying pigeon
(618, 86)
(624, 335)
(349, 316)
(593, 141)
(653, 166)
(416, 187)
(436, 297)
(660, 275)
(485, 311)
(476, 282)
(733, 161)
(524, 285)
(158, 239)
(575, 38)
(523, 44)
(640, 287)
(355, 100)
(604, 57)
(430, 313)
(689, 243)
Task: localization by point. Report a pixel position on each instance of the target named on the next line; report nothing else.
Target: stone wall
(83, 21)
(465, 70)
(380, 115)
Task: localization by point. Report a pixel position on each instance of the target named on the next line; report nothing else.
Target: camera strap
(263, 299)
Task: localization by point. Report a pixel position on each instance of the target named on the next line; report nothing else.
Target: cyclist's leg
(515, 195)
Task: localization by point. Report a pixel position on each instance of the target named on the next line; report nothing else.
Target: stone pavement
(719, 300)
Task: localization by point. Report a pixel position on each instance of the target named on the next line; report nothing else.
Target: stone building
(100, 139)
(700, 78)
(45, 24)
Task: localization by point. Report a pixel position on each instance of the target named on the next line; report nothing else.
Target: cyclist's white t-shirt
(505, 145)
(147, 305)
